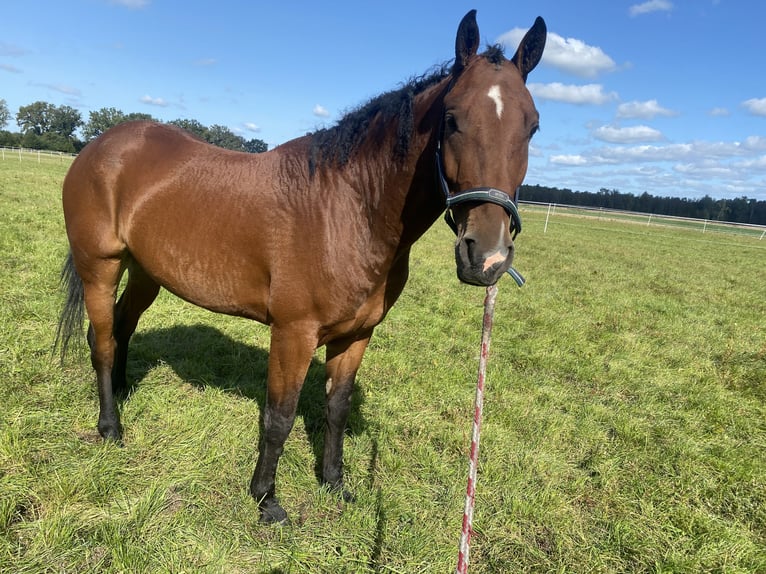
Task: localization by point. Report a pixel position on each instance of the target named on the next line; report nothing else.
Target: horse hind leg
(100, 281)
(111, 327)
(140, 292)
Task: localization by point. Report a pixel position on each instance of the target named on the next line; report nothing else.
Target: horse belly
(204, 257)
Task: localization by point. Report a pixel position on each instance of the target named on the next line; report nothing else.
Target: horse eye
(534, 130)
(451, 123)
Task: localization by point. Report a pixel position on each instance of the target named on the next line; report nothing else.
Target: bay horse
(311, 238)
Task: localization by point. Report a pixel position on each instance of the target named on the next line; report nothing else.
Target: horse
(311, 238)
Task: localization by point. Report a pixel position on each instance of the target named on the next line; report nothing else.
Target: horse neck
(403, 193)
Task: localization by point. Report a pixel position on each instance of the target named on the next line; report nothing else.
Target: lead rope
(470, 493)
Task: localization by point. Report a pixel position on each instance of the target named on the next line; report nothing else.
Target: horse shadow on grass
(205, 357)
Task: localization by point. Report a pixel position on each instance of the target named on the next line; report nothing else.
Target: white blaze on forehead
(495, 96)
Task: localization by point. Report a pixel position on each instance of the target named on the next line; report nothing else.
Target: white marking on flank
(495, 96)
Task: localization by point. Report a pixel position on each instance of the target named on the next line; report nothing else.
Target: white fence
(38, 155)
(648, 219)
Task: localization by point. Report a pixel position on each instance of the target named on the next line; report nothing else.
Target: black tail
(73, 313)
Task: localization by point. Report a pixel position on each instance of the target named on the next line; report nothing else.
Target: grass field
(625, 427)
(645, 219)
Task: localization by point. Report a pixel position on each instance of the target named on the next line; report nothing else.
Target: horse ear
(531, 48)
(466, 42)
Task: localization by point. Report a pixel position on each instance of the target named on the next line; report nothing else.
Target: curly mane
(335, 145)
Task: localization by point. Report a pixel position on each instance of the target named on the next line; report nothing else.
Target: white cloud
(161, 102)
(703, 170)
(321, 111)
(645, 110)
(756, 106)
(651, 6)
(719, 112)
(205, 62)
(758, 163)
(10, 68)
(61, 88)
(569, 55)
(632, 134)
(692, 152)
(572, 160)
(754, 143)
(251, 127)
(588, 94)
(691, 169)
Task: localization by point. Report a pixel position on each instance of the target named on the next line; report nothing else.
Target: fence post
(545, 229)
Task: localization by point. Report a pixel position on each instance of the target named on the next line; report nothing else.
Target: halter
(483, 195)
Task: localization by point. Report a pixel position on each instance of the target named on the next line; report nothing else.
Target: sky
(658, 96)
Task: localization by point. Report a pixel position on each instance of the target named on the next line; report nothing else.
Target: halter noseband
(483, 195)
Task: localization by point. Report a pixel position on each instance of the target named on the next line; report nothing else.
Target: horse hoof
(111, 432)
(337, 488)
(273, 514)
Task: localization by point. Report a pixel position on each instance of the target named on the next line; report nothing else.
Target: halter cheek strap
(482, 195)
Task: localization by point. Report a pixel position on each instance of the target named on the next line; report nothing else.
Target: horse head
(489, 119)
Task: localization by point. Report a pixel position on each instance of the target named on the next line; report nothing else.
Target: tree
(49, 127)
(192, 126)
(5, 115)
(34, 118)
(100, 121)
(10, 139)
(135, 116)
(64, 121)
(222, 136)
(256, 146)
(106, 118)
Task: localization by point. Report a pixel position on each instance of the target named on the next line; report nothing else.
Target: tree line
(46, 126)
(738, 210)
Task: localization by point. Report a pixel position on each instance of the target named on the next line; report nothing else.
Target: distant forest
(739, 210)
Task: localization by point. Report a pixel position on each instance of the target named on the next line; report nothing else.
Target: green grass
(624, 417)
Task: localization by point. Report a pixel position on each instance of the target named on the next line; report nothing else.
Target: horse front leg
(289, 358)
(343, 360)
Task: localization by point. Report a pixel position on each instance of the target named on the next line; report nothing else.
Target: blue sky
(662, 96)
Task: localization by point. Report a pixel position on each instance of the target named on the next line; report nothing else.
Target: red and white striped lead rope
(470, 493)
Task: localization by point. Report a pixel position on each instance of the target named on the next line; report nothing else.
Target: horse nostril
(470, 245)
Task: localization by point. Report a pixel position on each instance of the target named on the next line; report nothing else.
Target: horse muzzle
(482, 267)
